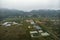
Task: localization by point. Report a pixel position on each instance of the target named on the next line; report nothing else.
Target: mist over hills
(4, 13)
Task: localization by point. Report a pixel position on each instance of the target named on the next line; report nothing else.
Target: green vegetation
(48, 20)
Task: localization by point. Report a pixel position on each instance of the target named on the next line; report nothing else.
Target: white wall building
(7, 24)
(45, 34)
(34, 33)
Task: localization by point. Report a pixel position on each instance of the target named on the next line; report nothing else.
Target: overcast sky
(27, 5)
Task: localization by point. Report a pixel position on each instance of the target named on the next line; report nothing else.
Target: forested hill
(4, 13)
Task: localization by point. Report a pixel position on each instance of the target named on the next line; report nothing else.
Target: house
(40, 31)
(45, 34)
(7, 24)
(34, 34)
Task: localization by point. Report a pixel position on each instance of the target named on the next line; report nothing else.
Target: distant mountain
(4, 13)
(46, 12)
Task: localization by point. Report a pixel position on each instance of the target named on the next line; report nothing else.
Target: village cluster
(7, 24)
(36, 30)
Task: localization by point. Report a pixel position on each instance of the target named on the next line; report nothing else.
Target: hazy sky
(27, 5)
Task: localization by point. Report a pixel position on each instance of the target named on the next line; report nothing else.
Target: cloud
(30, 4)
